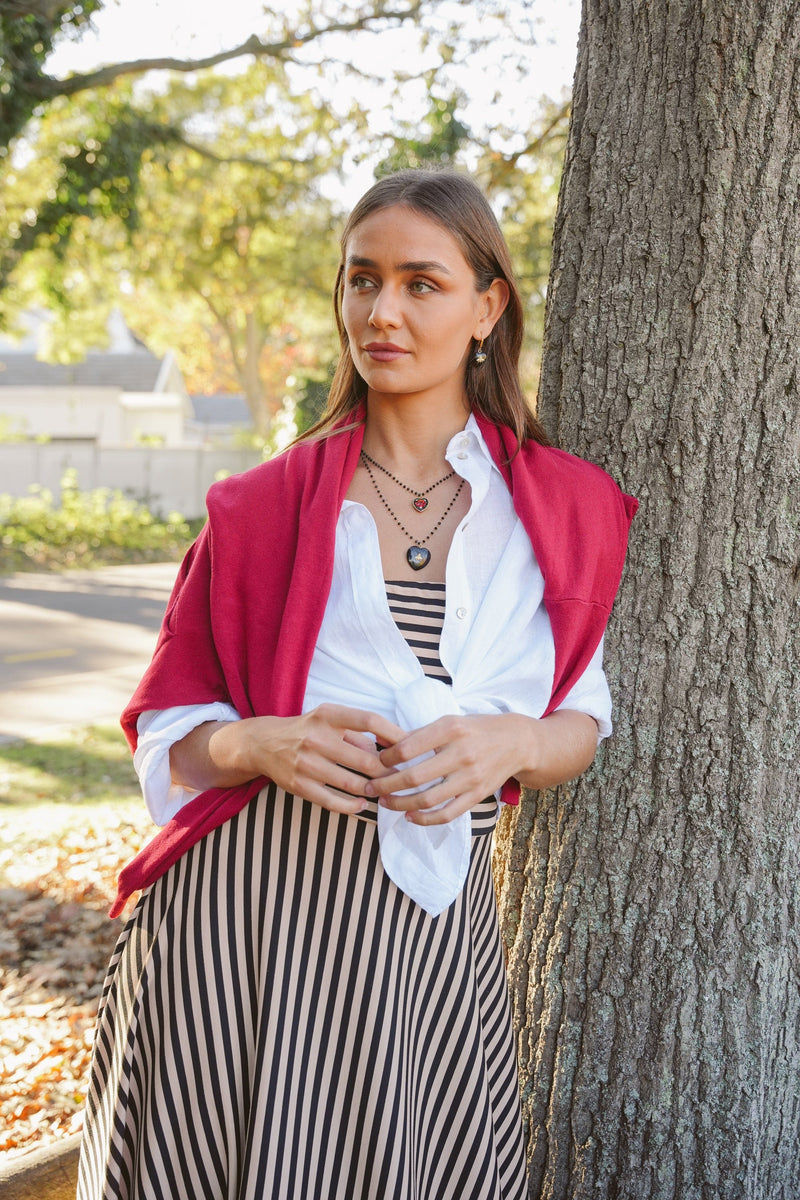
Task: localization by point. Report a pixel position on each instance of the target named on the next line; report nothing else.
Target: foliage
(524, 189)
(71, 814)
(27, 34)
(12, 431)
(311, 397)
(29, 30)
(444, 135)
(224, 243)
(197, 207)
(86, 528)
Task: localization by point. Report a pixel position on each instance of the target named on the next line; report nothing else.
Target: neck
(411, 438)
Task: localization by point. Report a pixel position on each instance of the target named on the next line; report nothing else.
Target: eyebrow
(355, 260)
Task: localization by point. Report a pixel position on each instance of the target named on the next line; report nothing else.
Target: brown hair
(458, 205)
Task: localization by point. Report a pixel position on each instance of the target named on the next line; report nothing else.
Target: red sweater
(245, 612)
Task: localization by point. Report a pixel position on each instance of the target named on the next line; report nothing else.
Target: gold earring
(480, 355)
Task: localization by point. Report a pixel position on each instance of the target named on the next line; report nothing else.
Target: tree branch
(241, 159)
(48, 86)
(544, 137)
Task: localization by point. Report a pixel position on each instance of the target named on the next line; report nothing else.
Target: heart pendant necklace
(420, 501)
(417, 555)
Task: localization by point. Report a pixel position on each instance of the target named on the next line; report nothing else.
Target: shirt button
(462, 455)
(461, 613)
(463, 443)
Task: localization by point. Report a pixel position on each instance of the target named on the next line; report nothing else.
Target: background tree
(651, 910)
(195, 205)
(29, 29)
(225, 241)
(523, 186)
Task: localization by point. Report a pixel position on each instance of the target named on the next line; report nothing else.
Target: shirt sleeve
(158, 730)
(590, 695)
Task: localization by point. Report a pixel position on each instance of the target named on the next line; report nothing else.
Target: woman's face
(410, 306)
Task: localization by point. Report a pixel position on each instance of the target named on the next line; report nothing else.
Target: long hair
(453, 201)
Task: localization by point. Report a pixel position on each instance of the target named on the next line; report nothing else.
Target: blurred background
(174, 175)
(168, 237)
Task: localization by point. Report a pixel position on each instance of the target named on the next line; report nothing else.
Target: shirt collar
(468, 455)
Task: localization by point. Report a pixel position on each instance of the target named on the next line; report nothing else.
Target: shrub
(87, 528)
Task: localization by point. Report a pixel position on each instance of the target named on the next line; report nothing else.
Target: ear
(493, 304)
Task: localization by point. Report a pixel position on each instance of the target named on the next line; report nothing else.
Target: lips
(384, 351)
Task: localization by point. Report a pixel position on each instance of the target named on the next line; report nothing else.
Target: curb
(50, 1173)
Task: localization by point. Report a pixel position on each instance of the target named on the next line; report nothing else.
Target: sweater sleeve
(158, 732)
(185, 668)
(590, 695)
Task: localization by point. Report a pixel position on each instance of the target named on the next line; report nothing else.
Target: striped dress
(280, 1021)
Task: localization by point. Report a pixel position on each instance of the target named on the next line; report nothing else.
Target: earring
(480, 355)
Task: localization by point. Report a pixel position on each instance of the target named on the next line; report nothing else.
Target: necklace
(419, 502)
(417, 555)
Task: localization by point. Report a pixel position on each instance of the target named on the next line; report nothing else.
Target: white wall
(64, 411)
(168, 479)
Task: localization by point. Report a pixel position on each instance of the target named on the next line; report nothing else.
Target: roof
(133, 372)
(221, 409)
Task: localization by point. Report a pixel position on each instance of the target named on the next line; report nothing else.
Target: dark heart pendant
(420, 504)
(418, 557)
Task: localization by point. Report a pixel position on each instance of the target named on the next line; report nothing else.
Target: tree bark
(651, 910)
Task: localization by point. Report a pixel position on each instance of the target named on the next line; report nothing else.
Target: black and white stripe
(280, 1021)
(418, 611)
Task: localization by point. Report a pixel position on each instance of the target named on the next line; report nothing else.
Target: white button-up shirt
(496, 646)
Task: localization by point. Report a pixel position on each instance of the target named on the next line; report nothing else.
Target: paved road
(73, 646)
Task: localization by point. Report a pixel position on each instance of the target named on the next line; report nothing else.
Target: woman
(377, 634)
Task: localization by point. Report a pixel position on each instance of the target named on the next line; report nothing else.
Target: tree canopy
(204, 204)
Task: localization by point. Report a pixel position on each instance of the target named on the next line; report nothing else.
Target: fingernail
(369, 790)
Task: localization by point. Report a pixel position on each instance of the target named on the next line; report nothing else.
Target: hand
(472, 756)
(321, 755)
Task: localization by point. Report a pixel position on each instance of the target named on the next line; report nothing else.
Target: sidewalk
(73, 646)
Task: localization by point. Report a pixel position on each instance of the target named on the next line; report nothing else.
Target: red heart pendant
(420, 504)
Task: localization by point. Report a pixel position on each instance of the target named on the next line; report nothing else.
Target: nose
(385, 312)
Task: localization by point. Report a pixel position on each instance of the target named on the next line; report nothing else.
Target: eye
(361, 283)
(420, 286)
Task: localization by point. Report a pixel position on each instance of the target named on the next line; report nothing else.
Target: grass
(52, 789)
(71, 814)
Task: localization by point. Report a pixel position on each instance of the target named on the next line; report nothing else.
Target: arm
(474, 755)
(322, 755)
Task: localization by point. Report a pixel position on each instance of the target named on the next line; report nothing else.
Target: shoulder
(571, 479)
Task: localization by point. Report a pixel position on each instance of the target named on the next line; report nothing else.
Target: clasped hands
(329, 756)
(326, 754)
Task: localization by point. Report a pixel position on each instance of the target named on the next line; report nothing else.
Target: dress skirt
(280, 1020)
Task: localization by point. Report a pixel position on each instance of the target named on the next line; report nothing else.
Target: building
(121, 395)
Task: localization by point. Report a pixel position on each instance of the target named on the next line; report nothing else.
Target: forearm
(216, 754)
(554, 749)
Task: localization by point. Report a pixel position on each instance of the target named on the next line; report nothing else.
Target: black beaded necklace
(418, 555)
(419, 502)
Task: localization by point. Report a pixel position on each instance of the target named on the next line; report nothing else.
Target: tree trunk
(651, 910)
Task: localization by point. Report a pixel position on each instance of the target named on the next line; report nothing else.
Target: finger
(448, 812)
(367, 765)
(336, 776)
(364, 741)
(419, 775)
(332, 799)
(429, 739)
(359, 720)
(439, 793)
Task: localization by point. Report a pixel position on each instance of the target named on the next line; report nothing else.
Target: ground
(70, 816)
